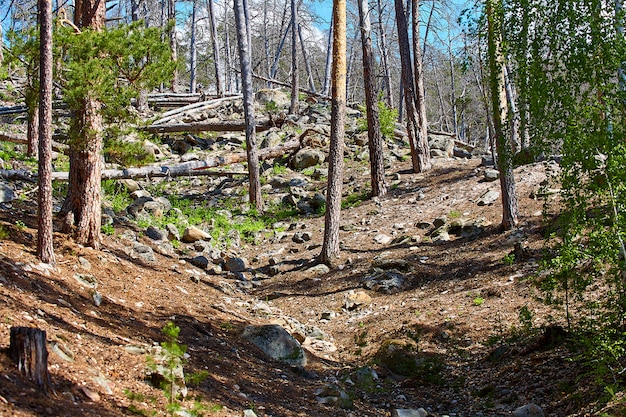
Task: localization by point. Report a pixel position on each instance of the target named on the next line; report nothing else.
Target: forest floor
(487, 342)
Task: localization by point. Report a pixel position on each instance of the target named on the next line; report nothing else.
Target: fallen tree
(221, 126)
(195, 107)
(22, 139)
(191, 168)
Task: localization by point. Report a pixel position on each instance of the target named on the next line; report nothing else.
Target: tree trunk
(377, 164)
(329, 61)
(330, 246)
(27, 348)
(420, 95)
(229, 58)
(32, 129)
(134, 10)
(45, 249)
(243, 38)
(510, 211)
(171, 21)
(217, 60)
(193, 53)
(384, 56)
(294, 107)
(420, 154)
(305, 57)
(82, 206)
(281, 43)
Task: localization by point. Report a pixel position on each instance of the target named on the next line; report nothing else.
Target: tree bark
(420, 94)
(510, 211)
(27, 348)
(377, 165)
(81, 209)
(32, 129)
(243, 37)
(294, 107)
(384, 55)
(45, 248)
(328, 67)
(217, 60)
(420, 154)
(305, 57)
(330, 246)
(171, 21)
(193, 53)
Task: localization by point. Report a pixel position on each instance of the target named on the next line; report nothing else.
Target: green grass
(116, 194)
(355, 200)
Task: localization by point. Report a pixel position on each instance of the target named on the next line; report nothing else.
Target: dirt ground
(461, 307)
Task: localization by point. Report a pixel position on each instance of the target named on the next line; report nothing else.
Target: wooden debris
(28, 350)
(222, 126)
(191, 168)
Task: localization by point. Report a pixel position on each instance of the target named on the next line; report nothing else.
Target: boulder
(442, 143)
(268, 95)
(6, 193)
(235, 264)
(488, 198)
(277, 343)
(306, 158)
(388, 282)
(491, 174)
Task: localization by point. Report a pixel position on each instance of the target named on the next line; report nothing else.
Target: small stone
(404, 412)
(201, 262)
(236, 264)
(491, 174)
(155, 233)
(92, 395)
(84, 263)
(488, 198)
(440, 221)
(319, 269)
(382, 239)
(6, 193)
(301, 237)
(357, 299)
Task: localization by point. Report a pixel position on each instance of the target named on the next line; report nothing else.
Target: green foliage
(173, 358)
(107, 229)
(116, 194)
(355, 200)
(387, 117)
(11, 152)
(508, 259)
(4, 232)
(126, 153)
(111, 66)
(478, 301)
(525, 317)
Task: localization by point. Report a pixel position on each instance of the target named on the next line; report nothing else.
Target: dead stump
(28, 350)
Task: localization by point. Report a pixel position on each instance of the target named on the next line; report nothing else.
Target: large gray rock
(155, 233)
(306, 158)
(277, 343)
(442, 143)
(388, 282)
(488, 198)
(6, 193)
(143, 253)
(529, 410)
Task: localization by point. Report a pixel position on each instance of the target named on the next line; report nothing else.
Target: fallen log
(304, 90)
(195, 127)
(22, 139)
(191, 168)
(204, 105)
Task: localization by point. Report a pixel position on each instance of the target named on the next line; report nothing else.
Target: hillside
(455, 313)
